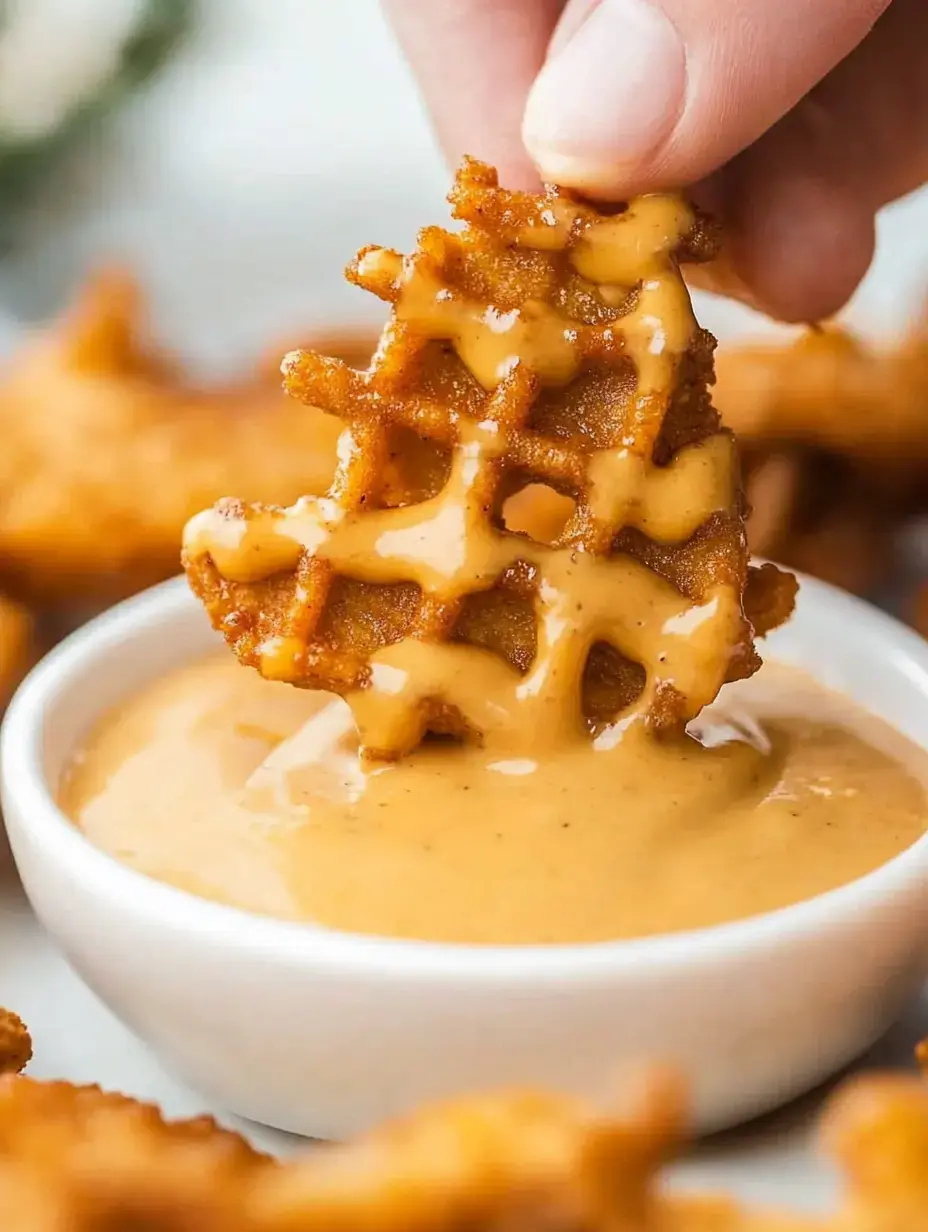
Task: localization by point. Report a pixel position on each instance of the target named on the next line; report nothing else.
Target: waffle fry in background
(108, 449)
(834, 442)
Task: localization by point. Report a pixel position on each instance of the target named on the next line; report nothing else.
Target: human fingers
(638, 94)
(475, 61)
(799, 205)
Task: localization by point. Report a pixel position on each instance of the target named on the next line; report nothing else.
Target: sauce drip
(448, 545)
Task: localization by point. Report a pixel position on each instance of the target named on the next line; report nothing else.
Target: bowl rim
(24, 782)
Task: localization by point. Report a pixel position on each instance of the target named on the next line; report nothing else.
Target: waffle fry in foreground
(533, 1162)
(108, 450)
(80, 1159)
(544, 344)
(83, 1160)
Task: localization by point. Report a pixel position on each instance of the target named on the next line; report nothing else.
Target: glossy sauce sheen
(214, 780)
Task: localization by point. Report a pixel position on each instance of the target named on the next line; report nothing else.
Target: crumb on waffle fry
(15, 1043)
(108, 449)
(547, 344)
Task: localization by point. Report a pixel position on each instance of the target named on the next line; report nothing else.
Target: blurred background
(230, 156)
(274, 140)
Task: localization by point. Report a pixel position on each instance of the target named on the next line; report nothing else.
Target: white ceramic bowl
(324, 1033)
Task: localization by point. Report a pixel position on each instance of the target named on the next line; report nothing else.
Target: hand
(792, 120)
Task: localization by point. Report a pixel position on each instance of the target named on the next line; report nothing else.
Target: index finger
(475, 61)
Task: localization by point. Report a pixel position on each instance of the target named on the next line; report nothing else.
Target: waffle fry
(108, 449)
(832, 433)
(876, 1129)
(80, 1159)
(83, 1159)
(544, 344)
(518, 1159)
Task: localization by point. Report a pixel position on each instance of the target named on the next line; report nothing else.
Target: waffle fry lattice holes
(545, 343)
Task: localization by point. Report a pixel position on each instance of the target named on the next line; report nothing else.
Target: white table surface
(282, 138)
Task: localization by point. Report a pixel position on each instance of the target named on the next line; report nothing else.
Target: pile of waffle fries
(77, 1159)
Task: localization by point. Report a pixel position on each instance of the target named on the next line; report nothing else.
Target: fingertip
(607, 100)
(800, 244)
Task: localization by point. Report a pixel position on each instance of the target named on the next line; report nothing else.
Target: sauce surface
(251, 793)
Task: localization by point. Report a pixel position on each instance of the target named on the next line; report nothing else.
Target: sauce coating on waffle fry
(544, 343)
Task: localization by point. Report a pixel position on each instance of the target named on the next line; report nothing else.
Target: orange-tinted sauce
(215, 780)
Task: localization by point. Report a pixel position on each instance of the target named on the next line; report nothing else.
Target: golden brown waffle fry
(519, 1160)
(15, 1043)
(108, 450)
(877, 1130)
(17, 646)
(75, 1159)
(548, 344)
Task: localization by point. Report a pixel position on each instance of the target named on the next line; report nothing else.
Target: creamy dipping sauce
(785, 790)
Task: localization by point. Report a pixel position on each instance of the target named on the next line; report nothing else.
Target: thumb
(643, 94)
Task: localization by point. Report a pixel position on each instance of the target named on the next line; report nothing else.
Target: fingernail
(608, 99)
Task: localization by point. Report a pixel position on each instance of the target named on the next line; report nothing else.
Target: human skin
(794, 121)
